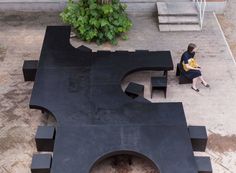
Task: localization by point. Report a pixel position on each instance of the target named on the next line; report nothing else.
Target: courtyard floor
(21, 37)
(227, 22)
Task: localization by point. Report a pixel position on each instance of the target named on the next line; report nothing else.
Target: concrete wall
(135, 7)
(32, 5)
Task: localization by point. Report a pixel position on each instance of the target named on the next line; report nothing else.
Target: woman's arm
(192, 68)
(197, 65)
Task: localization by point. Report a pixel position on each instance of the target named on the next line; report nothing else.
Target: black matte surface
(134, 90)
(45, 138)
(84, 48)
(41, 163)
(198, 137)
(159, 82)
(29, 69)
(95, 118)
(203, 164)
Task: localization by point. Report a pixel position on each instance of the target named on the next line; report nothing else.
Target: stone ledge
(135, 7)
(217, 6)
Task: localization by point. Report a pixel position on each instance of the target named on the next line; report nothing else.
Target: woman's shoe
(197, 90)
(207, 85)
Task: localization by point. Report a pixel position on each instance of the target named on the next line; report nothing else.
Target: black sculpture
(96, 119)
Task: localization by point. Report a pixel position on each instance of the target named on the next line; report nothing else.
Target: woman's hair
(191, 46)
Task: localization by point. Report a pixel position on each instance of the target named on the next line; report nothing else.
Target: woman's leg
(202, 79)
(195, 82)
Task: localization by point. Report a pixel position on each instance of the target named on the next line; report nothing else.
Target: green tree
(97, 20)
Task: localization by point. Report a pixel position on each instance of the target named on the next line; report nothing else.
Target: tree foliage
(97, 20)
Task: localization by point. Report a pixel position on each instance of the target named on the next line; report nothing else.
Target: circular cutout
(124, 163)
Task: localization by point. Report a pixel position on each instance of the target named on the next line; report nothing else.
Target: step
(176, 9)
(178, 19)
(176, 27)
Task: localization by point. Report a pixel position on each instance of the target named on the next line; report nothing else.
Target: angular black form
(96, 119)
(41, 163)
(141, 99)
(204, 164)
(182, 78)
(134, 90)
(198, 137)
(84, 48)
(159, 83)
(30, 69)
(45, 138)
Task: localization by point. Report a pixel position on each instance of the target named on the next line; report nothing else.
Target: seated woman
(191, 68)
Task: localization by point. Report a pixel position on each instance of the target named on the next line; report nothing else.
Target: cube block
(198, 137)
(45, 138)
(41, 163)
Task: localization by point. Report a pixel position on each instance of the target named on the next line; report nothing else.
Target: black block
(121, 52)
(45, 138)
(159, 82)
(30, 69)
(182, 78)
(134, 90)
(142, 51)
(204, 164)
(97, 119)
(41, 163)
(84, 48)
(198, 137)
(141, 99)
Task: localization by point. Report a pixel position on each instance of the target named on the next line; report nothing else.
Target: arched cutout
(124, 156)
(43, 109)
(136, 80)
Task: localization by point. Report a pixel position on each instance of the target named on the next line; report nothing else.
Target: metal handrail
(201, 5)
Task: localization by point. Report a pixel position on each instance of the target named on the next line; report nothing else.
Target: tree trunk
(104, 1)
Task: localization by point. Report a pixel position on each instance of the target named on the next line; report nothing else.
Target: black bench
(45, 138)
(122, 52)
(134, 90)
(30, 69)
(41, 163)
(182, 78)
(84, 49)
(198, 137)
(203, 164)
(103, 52)
(142, 51)
(141, 99)
(159, 82)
